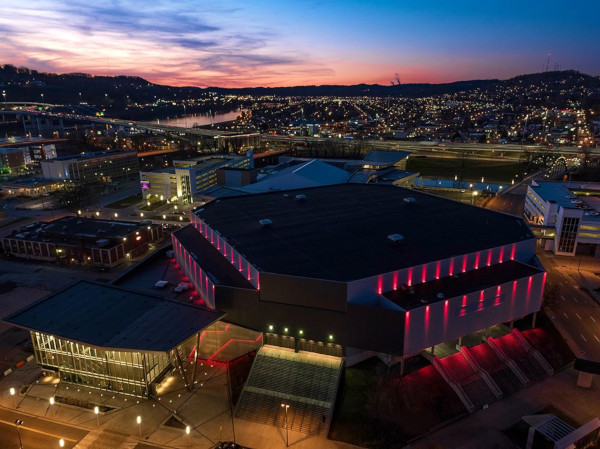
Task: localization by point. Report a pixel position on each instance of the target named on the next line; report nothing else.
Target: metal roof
(340, 232)
(114, 318)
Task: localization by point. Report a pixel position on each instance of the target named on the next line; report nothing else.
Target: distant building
(30, 187)
(83, 241)
(11, 159)
(104, 166)
(565, 216)
(188, 177)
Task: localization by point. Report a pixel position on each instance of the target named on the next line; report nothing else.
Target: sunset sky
(282, 43)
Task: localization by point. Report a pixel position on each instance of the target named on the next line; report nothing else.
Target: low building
(104, 166)
(188, 177)
(105, 337)
(83, 241)
(30, 187)
(565, 216)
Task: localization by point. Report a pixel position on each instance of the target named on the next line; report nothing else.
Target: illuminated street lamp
(139, 422)
(286, 406)
(187, 432)
(475, 193)
(97, 213)
(61, 442)
(12, 393)
(97, 412)
(116, 214)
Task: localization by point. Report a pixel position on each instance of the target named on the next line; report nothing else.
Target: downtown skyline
(232, 44)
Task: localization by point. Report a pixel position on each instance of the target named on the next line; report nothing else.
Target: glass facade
(126, 372)
(568, 234)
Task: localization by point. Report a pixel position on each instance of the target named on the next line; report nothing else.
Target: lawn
(472, 170)
(153, 205)
(126, 202)
(377, 408)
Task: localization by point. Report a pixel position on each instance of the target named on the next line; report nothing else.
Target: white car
(182, 287)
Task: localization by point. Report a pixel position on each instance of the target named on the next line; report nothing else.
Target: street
(36, 433)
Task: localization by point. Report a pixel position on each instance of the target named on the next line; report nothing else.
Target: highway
(36, 433)
(503, 151)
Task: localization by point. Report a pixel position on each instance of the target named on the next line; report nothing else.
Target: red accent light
(512, 252)
(424, 273)
(395, 281)
(437, 270)
(501, 258)
(410, 270)
(477, 261)
(464, 263)
(464, 301)
(451, 269)
(489, 258)
(481, 294)
(138, 238)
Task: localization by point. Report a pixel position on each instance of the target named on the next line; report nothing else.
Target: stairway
(501, 373)
(308, 383)
(458, 370)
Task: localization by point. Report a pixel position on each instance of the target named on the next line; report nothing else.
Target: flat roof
(93, 154)
(111, 317)
(210, 259)
(28, 182)
(460, 284)
(87, 227)
(339, 232)
(564, 193)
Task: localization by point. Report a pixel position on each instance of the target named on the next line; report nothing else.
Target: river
(201, 119)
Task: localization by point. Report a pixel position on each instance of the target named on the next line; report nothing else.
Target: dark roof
(340, 232)
(385, 157)
(460, 284)
(72, 227)
(111, 317)
(210, 259)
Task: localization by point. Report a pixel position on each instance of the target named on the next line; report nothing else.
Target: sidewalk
(206, 410)
(483, 429)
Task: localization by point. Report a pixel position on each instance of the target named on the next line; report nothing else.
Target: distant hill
(121, 93)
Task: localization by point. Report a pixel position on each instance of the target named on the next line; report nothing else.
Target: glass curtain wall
(126, 372)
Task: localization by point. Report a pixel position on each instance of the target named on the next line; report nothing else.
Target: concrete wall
(455, 317)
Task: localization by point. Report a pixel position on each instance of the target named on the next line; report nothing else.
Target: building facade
(565, 216)
(188, 177)
(103, 166)
(83, 241)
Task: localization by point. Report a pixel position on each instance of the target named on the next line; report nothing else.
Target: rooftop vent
(265, 222)
(440, 295)
(396, 238)
(300, 197)
(409, 200)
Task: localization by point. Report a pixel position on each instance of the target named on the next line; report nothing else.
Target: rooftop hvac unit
(300, 197)
(409, 200)
(265, 222)
(102, 242)
(396, 238)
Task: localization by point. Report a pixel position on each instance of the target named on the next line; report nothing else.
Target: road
(36, 433)
(574, 310)
(575, 313)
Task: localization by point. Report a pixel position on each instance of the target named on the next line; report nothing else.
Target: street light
(116, 214)
(139, 421)
(52, 403)
(18, 423)
(286, 406)
(97, 213)
(61, 442)
(474, 195)
(97, 412)
(187, 432)
(12, 393)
